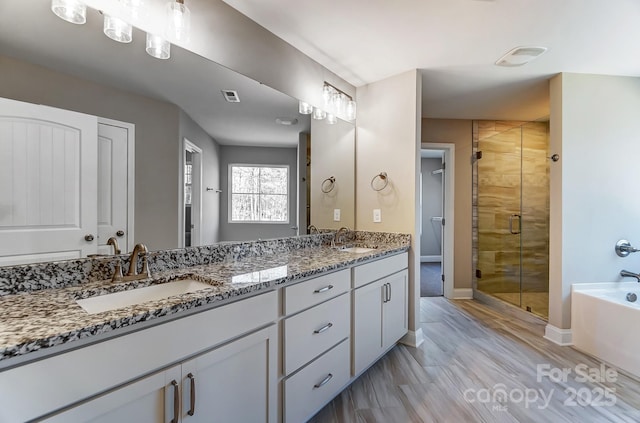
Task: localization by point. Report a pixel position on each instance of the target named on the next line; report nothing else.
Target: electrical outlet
(377, 216)
(336, 215)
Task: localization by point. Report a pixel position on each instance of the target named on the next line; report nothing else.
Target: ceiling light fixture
(73, 11)
(117, 29)
(286, 121)
(520, 56)
(178, 20)
(158, 47)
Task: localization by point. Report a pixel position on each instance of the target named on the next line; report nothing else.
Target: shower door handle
(519, 229)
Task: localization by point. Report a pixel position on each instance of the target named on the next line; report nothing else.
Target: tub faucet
(627, 274)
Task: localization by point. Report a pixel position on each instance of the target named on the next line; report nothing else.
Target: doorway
(436, 228)
(192, 194)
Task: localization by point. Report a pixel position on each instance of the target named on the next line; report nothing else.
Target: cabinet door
(149, 400)
(394, 313)
(367, 325)
(233, 383)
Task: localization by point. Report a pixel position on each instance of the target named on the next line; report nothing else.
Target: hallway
(469, 353)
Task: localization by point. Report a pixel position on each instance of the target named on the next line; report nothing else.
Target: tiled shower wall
(497, 253)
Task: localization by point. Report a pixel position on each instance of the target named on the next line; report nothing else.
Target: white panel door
(48, 183)
(113, 182)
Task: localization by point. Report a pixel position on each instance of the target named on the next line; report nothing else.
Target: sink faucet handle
(117, 273)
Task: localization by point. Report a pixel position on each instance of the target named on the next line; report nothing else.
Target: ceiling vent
(520, 56)
(231, 96)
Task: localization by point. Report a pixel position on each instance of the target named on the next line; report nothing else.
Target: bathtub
(604, 324)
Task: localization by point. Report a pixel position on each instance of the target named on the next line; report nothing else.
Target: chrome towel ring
(328, 184)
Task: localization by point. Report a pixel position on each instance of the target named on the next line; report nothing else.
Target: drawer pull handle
(324, 328)
(192, 405)
(321, 290)
(324, 381)
(176, 401)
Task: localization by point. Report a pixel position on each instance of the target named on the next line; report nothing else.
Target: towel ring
(328, 184)
(383, 177)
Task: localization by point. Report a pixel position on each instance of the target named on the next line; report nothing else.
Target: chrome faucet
(114, 243)
(339, 236)
(132, 274)
(627, 274)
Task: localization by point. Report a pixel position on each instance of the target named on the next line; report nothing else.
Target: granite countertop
(35, 321)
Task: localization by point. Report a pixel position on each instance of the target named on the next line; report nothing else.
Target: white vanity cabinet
(380, 314)
(231, 351)
(231, 383)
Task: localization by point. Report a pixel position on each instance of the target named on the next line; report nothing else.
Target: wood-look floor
(469, 351)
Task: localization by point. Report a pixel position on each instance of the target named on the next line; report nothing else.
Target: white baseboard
(430, 259)
(558, 336)
(463, 294)
(413, 338)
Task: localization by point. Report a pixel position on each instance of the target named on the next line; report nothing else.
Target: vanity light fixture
(178, 20)
(338, 103)
(74, 11)
(117, 29)
(318, 114)
(158, 47)
(331, 119)
(304, 108)
(134, 7)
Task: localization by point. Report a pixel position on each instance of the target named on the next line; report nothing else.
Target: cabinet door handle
(192, 405)
(322, 329)
(389, 298)
(321, 290)
(384, 293)
(176, 401)
(324, 381)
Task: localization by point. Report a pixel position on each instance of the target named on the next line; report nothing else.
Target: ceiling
(31, 32)
(455, 43)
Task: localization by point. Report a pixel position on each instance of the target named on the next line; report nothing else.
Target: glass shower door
(499, 216)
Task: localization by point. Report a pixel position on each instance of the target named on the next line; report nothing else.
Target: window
(259, 193)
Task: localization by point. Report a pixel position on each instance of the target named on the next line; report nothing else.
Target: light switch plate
(377, 216)
(336, 215)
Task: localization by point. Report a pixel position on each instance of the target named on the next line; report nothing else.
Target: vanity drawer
(315, 385)
(310, 333)
(370, 272)
(314, 291)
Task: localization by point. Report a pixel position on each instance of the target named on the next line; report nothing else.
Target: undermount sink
(357, 250)
(116, 300)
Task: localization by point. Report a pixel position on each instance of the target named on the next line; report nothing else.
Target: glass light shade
(158, 47)
(304, 108)
(338, 103)
(117, 29)
(331, 119)
(133, 7)
(178, 20)
(73, 11)
(318, 114)
(327, 94)
(350, 110)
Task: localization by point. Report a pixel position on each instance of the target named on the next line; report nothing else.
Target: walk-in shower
(511, 212)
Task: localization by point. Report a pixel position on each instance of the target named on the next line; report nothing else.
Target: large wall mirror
(188, 131)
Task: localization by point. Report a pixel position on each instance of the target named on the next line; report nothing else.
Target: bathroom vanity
(276, 335)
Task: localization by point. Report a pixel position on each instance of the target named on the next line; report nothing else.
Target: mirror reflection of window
(259, 193)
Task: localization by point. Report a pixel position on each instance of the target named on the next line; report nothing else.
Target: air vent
(520, 56)
(231, 96)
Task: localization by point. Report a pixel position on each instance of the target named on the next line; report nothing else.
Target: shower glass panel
(512, 209)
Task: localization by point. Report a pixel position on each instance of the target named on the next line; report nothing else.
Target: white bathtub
(606, 325)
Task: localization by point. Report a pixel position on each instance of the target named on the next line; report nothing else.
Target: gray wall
(256, 155)
(431, 238)
(190, 130)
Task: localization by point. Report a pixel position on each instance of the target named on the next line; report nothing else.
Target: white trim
(563, 337)
(463, 294)
(413, 338)
(431, 259)
(449, 204)
(131, 175)
(196, 192)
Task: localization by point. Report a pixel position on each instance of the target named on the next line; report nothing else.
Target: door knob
(89, 238)
(120, 233)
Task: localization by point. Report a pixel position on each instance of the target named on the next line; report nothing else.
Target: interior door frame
(131, 175)
(448, 257)
(196, 193)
